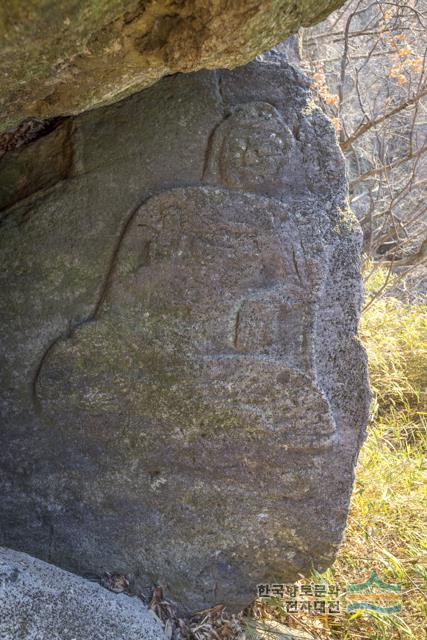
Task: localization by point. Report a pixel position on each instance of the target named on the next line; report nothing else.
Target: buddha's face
(252, 155)
(254, 147)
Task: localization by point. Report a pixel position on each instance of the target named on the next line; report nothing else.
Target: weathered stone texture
(41, 602)
(64, 56)
(184, 394)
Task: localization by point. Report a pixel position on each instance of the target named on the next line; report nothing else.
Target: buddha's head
(251, 150)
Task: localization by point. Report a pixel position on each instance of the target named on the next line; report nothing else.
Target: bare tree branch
(393, 165)
(366, 126)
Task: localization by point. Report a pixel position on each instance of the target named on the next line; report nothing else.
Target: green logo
(367, 600)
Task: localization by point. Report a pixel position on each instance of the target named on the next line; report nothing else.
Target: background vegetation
(369, 65)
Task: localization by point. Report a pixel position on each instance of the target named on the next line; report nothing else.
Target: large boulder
(41, 602)
(183, 391)
(62, 56)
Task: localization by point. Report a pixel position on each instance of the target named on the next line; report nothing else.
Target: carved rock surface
(41, 602)
(61, 56)
(184, 393)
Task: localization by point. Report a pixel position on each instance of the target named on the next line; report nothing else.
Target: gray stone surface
(183, 391)
(41, 602)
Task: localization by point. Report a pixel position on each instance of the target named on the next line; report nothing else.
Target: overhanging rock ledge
(60, 57)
